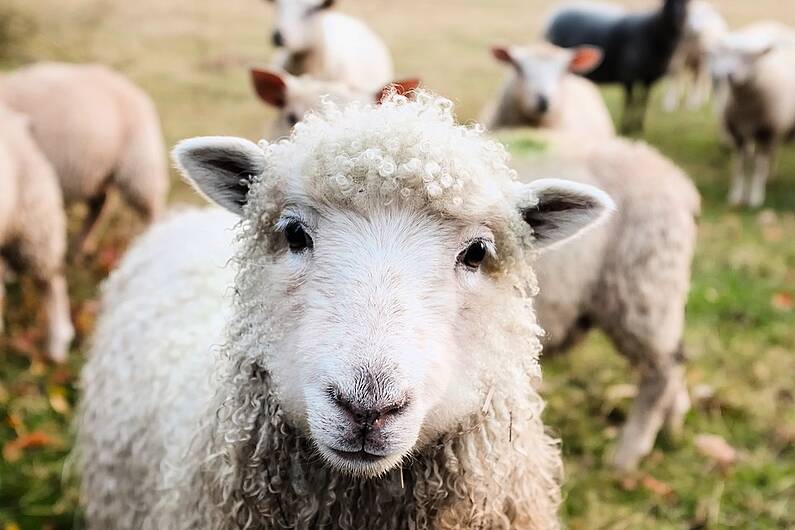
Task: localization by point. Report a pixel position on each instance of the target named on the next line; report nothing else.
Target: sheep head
(295, 28)
(539, 70)
(386, 273)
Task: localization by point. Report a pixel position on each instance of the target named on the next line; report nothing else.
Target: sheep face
(539, 71)
(382, 297)
(735, 59)
(296, 23)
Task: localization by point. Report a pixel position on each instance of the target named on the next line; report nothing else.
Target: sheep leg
(629, 97)
(763, 164)
(674, 93)
(2, 293)
(742, 160)
(701, 87)
(658, 392)
(60, 329)
(86, 240)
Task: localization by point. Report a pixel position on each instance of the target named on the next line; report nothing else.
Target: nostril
(368, 416)
(277, 39)
(543, 104)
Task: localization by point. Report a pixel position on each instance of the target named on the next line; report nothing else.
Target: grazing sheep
(294, 96)
(757, 68)
(33, 227)
(630, 277)
(370, 361)
(541, 92)
(99, 131)
(689, 70)
(329, 46)
(637, 47)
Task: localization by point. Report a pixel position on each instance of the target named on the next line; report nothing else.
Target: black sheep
(637, 48)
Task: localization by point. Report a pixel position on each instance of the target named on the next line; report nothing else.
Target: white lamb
(293, 96)
(99, 131)
(367, 359)
(689, 70)
(33, 227)
(330, 46)
(757, 66)
(542, 91)
(630, 277)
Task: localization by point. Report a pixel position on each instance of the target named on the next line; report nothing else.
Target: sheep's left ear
(562, 209)
(401, 88)
(585, 59)
(220, 168)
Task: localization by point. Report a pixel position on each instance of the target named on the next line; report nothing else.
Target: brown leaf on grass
(783, 301)
(13, 450)
(58, 401)
(85, 316)
(657, 487)
(716, 448)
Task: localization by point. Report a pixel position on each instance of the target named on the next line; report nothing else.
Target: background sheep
(637, 48)
(689, 70)
(329, 46)
(294, 96)
(386, 376)
(541, 92)
(32, 226)
(98, 131)
(630, 277)
(758, 70)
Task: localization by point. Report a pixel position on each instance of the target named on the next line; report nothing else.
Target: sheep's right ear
(560, 209)
(220, 168)
(503, 54)
(270, 87)
(401, 88)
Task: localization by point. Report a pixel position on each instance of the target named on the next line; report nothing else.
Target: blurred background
(193, 56)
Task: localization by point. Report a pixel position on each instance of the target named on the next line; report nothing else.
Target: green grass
(191, 56)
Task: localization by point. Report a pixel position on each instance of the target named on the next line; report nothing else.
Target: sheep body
(342, 49)
(637, 47)
(235, 438)
(571, 103)
(32, 225)
(630, 276)
(97, 130)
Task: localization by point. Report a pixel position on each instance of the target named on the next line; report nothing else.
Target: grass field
(191, 55)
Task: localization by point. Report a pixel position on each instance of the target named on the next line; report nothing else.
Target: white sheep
(330, 46)
(33, 226)
(99, 131)
(630, 277)
(294, 96)
(689, 72)
(543, 91)
(368, 358)
(757, 67)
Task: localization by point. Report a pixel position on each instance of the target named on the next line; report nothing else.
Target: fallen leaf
(783, 301)
(85, 316)
(58, 400)
(12, 451)
(715, 447)
(657, 487)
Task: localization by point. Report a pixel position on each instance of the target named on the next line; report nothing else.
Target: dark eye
(474, 254)
(292, 119)
(297, 238)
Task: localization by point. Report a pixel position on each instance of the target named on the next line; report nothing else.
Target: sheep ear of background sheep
(585, 59)
(221, 169)
(270, 87)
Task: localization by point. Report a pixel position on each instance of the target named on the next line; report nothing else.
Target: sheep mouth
(360, 456)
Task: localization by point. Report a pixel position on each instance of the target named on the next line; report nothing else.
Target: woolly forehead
(400, 153)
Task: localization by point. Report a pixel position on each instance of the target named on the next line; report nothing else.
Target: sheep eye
(297, 238)
(292, 119)
(474, 254)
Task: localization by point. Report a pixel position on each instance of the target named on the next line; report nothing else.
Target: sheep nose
(543, 104)
(277, 39)
(370, 417)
